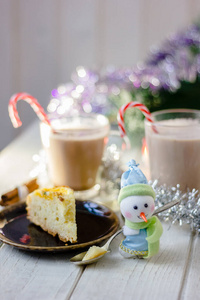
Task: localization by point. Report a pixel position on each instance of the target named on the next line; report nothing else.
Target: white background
(43, 41)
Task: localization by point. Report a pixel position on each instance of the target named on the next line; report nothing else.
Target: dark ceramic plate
(95, 223)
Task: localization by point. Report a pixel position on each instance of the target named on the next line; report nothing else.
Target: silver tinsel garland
(186, 212)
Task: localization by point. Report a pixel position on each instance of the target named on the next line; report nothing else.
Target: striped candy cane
(12, 109)
(122, 110)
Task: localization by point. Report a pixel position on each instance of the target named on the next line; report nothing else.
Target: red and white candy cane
(12, 109)
(122, 110)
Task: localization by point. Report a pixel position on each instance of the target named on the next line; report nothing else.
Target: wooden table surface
(174, 273)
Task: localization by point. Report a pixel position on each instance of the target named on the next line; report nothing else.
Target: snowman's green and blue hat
(134, 182)
(133, 175)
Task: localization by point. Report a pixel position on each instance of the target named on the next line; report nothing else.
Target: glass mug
(74, 150)
(174, 147)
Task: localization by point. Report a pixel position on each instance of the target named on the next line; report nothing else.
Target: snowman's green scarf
(154, 232)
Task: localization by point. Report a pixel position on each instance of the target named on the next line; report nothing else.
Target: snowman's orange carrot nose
(142, 215)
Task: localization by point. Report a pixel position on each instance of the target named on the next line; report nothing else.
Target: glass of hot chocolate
(74, 149)
(173, 143)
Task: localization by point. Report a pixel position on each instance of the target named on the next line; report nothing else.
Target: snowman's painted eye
(135, 207)
(145, 205)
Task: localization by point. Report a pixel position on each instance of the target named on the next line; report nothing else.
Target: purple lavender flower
(176, 60)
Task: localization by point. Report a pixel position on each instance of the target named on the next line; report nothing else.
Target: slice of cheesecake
(54, 211)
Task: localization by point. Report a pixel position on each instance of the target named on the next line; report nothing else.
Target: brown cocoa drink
(74, 151)
(174, 148)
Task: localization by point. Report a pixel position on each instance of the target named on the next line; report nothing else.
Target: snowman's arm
(129, 231)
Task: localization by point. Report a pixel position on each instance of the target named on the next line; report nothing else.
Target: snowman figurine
(141, 229)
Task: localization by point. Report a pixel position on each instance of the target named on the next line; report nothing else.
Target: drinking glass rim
(173, 110)
(105, 125)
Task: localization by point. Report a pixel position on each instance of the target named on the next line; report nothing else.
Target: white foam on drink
(180, 128)
(179, 122)
(81, 129)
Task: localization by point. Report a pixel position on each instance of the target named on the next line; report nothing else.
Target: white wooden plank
(38, 52)
(193, 9)
(121, 33)
(6, 79)
(157, 278)
(77, 35)
(192, 283)
(29, 275)
(160, 19)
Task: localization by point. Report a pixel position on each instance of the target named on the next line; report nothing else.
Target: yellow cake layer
(54, 211)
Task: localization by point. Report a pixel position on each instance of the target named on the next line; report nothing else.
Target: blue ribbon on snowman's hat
(134, 182)
(133, 175)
